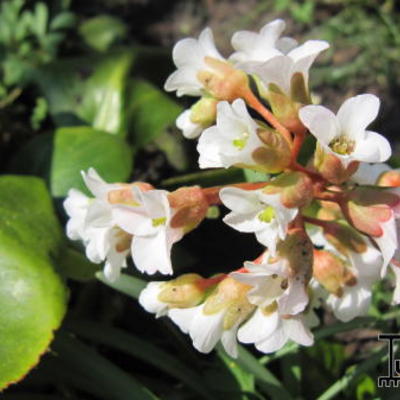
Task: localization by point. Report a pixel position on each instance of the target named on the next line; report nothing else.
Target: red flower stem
(297, 143)
(254, 103)
(212, 193)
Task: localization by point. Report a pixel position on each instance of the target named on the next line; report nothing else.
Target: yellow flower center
(342, 145)
(241, 141)
(158, 221)
(267, 215)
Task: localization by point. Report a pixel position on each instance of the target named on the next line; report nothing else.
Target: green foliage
(32, 296)
(77, 149)
(102, 31)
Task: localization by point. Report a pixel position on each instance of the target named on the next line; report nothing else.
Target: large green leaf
(88, 90)
(103, 104)
(26, 214)
(151, 111)
(79, 148)
(32, 295)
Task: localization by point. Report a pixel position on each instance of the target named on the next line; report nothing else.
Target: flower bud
(296, 189)
(286, 108)
(190, 206)
(224, 82)
(204, 111)
(275, 156)
(329, 271)
(389, 178)
(231, 296)
(183, 292)
(297, 248)
(331, 168)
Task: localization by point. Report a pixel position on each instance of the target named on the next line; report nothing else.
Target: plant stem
(254, 103)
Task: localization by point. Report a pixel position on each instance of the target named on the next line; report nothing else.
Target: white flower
(232, 140)
(345, 134)
(280, 69)
(218, 319)
(189, 129)
(189, 56)
(363, 270)
(269, 331)
(92, 222)
(274, 282)
(149, 300)
(255, 211)
(149, 223)
(255, 48)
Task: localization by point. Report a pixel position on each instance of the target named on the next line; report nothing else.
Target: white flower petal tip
(344, 135)
(148, 299)
(259, 213)
(189, 129)
(232, 140)
(189, 57)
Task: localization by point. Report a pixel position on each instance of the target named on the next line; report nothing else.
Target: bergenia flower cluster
(329, 228)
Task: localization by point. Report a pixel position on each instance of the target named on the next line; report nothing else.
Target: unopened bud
(183, 292)
(204, 111)
(275, 156)
(223, 81)
(190, 206)
(296, 189)
(286, 108)
(297, 248)
(331, 168)
(389, 178)
(329, 271)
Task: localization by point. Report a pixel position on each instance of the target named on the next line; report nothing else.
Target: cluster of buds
(329, 228)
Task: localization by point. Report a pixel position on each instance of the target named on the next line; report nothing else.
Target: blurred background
(81, 86)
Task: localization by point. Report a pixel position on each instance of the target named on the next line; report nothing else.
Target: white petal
(148, 299)
(206, 330)
(209, 146)
(354, 302)
(98, 214)
(95, 183)
(240, 201)
(373, 148)
(277, 70)
(134, 220)
(258, 327)
(356, 113)
(304, 55)
(388, 242)
(183, 317)
(184, 81)
(295, 298)
(273, 342)
(228, 340)
(321, 122)
(151, 254)
(189, 129)
(297, 331)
